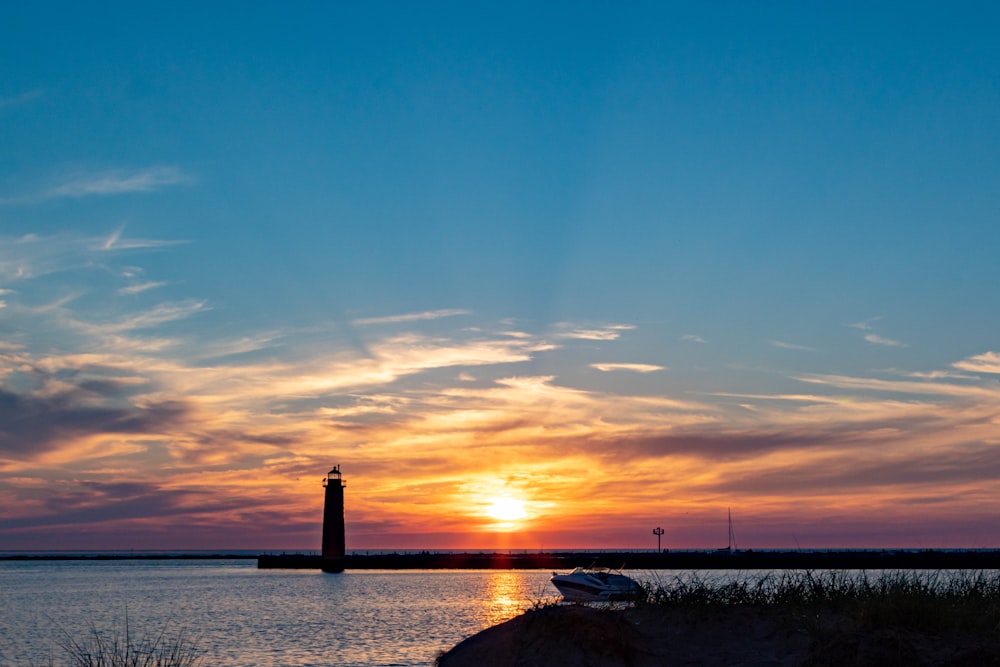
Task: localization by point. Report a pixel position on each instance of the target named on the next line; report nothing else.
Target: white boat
(595, 585)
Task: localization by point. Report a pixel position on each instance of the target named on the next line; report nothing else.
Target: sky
(533, 275)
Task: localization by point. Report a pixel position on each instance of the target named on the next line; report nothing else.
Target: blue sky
(737, 216)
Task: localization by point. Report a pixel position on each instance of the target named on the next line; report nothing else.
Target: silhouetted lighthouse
(333, 522)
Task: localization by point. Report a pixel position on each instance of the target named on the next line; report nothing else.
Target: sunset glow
(506, 510)
(532, 279)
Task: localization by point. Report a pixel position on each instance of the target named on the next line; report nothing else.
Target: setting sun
(506, 509)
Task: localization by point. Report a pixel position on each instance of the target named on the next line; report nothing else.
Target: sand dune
(582, 636)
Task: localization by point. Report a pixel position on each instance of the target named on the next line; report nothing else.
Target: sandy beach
(648, 636)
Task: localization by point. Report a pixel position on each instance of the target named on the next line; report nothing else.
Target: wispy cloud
(791, 346)
(875, 339)
(636, 368)
(606, 332)
(798, 398)
(365, 406)
(108, 332)
(692, 338)
(900, 386)
(161, 314)
(32, 256)
(106, 183)
(987, 362)
(410, 317)
(115, 182)
(21, 99)
(242, 345)
(141, 287)
(865, 325)
(114, 241)
(932, 375)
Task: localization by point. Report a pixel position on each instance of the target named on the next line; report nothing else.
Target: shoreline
(787, 619)
(861, 559)
(573, 635)
(673, 560)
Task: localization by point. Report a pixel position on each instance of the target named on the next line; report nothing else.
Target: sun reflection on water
(506, 595)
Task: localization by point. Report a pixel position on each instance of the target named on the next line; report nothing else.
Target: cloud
(800, 398)
(114, 241)
(516, 334)
(39, 422)
(134, 427)
(32, 256)
(791, 346)
(361, 405)
(637, 368)
(843, 477)
(83, 502)
(21, 99)
(391, 359)
(898, 386)
(243, 345)
(410, 317)
(987, 362)
(118, 181)
(691, 338)
(932, 375)
(107, 183)
(865, 325)
(607, 332)
(875, 339)
(239, 434)
(160, 314)
(714, 444)
(141, 287)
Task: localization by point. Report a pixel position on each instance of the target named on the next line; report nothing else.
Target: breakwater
(979, 559)
(125, 556)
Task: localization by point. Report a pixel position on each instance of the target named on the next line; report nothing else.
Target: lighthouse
(333, 522)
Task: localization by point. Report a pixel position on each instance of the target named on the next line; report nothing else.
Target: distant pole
(658, 532)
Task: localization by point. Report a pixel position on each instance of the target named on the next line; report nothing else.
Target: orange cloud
(126, 434)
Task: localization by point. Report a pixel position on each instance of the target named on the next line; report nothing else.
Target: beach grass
(886, 618)
(920, 601)
(121, 647)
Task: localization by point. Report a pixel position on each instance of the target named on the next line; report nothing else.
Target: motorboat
(595, 585)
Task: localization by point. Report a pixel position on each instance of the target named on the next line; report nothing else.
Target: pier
(862, 559)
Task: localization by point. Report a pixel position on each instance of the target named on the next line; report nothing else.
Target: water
(239, 616)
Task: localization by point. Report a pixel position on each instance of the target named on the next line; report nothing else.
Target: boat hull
(590, 586)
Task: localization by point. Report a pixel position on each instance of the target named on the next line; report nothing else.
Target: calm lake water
(239, 616)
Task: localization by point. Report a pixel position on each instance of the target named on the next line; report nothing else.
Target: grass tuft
(120, 648)
(916, 601)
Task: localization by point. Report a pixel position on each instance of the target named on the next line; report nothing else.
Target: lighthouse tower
(333, 522)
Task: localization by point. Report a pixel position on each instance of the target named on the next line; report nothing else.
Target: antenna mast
(732, 535)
